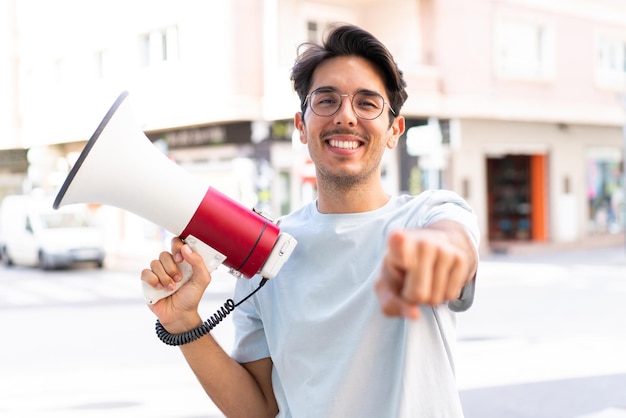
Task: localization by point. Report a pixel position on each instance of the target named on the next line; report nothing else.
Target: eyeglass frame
(342, 95)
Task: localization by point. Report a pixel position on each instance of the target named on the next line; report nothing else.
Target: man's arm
(426, 266)
(239, 390)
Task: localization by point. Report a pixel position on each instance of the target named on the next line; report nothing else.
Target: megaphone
(120, 167)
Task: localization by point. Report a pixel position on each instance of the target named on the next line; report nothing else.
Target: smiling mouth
(344, 144)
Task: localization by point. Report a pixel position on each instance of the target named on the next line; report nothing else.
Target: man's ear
(298, 122)
(397, 129)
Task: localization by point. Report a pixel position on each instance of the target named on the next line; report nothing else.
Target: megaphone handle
(212, 259)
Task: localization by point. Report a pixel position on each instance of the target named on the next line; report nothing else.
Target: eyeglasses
(365, 104)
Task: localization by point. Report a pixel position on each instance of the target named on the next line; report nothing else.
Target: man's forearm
(238, 390)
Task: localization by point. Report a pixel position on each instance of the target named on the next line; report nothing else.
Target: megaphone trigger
(212, 258)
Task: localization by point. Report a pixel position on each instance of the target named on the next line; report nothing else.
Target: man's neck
(333, 199)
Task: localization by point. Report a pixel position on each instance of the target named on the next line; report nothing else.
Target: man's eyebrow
(369, 92)
(326, 88)
(331, 88)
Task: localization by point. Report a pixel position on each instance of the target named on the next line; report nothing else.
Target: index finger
(388, 292)
(176, 246)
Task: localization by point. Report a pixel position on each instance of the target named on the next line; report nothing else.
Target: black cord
(261, 284)
(205, 327)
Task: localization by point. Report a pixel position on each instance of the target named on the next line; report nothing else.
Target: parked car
(32, 233)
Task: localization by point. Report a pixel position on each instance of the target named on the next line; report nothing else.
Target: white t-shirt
(335, 354)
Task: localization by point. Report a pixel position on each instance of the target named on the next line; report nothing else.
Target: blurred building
(515, 104)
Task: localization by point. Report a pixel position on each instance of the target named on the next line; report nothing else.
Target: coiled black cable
(205, 327)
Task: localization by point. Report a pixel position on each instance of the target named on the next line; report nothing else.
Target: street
(546, 338)
(81, 343)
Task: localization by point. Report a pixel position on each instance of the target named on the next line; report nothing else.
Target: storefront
(251, 162)
(540, 182)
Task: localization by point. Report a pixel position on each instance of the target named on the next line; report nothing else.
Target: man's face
(346, 149)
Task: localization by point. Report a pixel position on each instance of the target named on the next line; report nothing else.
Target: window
(610, 62)
(605, 190)
(312, 31)
(159, 46)
(524, 49)
(316, 17)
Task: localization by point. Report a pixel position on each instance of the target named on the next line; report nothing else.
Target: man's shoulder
(438, 198)
(302, 214)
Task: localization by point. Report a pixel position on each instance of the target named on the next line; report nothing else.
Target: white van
(32, 233)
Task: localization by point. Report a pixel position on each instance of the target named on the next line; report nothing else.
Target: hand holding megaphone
(120, 167)
(212, 260)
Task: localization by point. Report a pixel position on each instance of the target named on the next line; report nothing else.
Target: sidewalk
(613, 256)
(601, 249)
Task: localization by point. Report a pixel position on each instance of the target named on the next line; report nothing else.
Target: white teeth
(344, 144)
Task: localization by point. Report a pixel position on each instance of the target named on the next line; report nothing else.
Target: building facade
(517, 104)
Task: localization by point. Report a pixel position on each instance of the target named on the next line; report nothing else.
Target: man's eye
(368, 100)
(325, 99)
(370, 104)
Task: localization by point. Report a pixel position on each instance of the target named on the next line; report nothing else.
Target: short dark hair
(348, 40)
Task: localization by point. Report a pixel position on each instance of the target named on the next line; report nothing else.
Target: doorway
(516, 190)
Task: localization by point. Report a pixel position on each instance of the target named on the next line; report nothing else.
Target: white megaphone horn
(120, 167)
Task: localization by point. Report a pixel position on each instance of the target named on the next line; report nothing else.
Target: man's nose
(345, 114)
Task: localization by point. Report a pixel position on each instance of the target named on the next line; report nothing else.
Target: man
(358, 321)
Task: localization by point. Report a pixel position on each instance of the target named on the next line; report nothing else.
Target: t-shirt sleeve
(250, 343)
(441, 205)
